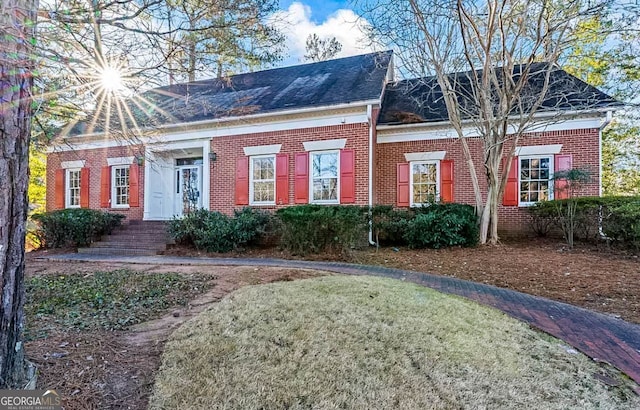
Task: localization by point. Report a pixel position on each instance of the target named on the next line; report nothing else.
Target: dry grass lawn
(371, 343)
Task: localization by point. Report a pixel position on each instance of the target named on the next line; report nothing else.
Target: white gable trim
(426, 132)
(262, 149)
(324, 145)
(120, 161)
(539, 150)
(425, 156)
(73, 164)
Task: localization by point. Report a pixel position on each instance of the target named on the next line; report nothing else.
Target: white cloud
(343, 24)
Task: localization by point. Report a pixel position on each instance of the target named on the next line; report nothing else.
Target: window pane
(325, 165)
(424, 183)
(121, 185)
(262, 179)
(534, 179)
(324, 176)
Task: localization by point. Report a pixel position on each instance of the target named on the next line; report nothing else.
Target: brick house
(334, 132)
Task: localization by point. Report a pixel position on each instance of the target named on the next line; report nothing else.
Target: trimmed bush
(390, 224)
(442, 225)
(216, 232)
(618, 216)
(434, 226)
(319, 228)
(74, 227)
(622, 223)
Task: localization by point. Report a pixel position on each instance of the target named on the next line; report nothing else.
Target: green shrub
(74, 227)
(318, 228)
(442, 225)
(434, 226)
(616, 215)
(622, 223)
(216, 232)
(390, 224)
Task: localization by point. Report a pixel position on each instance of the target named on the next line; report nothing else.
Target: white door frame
(156, 150)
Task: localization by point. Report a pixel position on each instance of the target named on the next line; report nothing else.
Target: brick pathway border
(601, 337)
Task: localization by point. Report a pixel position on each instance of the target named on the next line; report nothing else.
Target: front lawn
(372, 343)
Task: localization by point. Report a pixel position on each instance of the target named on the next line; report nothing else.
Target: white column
(147, 176)
(206, 174)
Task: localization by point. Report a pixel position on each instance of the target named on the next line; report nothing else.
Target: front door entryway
(188, 185)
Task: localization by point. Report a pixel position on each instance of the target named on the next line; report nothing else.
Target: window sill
(262, 204)
(120, 207)
(324, 202)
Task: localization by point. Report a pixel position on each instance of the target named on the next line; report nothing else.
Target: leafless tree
(495, 47)
(17, 23)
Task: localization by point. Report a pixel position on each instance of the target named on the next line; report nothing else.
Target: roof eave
(215, 121)
(598, 112)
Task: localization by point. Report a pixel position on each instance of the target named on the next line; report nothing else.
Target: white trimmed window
(425, 182)
(535, 179)
(120, 186)
(324, 184)
(72, 188)
(262, 180)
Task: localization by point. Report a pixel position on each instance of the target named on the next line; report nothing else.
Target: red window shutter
(59, 189)
(402, 193)
(301, 186)
(563, 162)
(84, 187)
(446, 181)
(282, 179)
(134, 185)
(105, 187)
(510, 197)
(242, 181)
(347, 176)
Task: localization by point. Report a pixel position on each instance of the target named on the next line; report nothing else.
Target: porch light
(139, 159)
(213, 156)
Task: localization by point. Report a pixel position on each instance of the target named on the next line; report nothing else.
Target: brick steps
(136, 238)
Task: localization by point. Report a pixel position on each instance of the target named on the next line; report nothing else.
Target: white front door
(188, 188)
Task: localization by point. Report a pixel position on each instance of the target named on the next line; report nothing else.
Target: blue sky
(326, 18)
(321, 9)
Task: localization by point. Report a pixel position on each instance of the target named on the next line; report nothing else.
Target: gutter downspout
(606, 122)
(371, 125)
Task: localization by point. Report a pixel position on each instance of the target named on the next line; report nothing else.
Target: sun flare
(111, 79)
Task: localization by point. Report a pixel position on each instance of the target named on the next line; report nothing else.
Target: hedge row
(316, 228)
(617, 217)
(73, 227)
(217, 232)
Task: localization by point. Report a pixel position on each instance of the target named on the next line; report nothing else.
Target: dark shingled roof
(420, 100)
(326, 83)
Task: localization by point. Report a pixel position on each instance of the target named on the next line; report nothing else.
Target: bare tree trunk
(17, 22)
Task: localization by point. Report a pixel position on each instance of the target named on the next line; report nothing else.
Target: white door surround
(161, 180)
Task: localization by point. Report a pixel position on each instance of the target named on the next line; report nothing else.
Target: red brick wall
(228, 149)
(582, 144)
(95, 160)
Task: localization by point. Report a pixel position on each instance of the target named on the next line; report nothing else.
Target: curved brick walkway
(599, 336)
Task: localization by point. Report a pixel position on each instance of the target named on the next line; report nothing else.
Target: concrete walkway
(601, 337)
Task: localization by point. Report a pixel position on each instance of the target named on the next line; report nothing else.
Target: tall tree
(318, 49)
(215, 38)
(495, 46)
(90, 47)
(607, 54)
(17, 23)
(621, 158)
